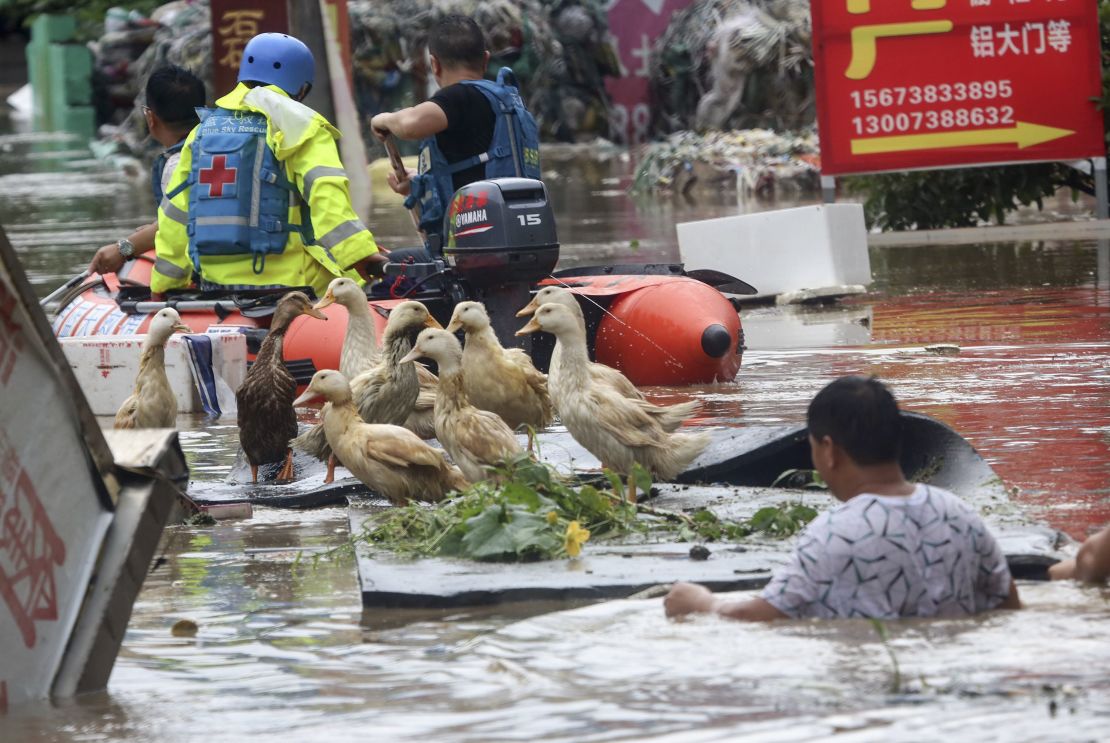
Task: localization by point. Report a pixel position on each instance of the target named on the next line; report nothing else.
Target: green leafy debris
(528, 511)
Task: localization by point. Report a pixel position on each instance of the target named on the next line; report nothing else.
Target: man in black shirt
(458, 116)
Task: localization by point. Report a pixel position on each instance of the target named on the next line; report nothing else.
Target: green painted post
(61, 74)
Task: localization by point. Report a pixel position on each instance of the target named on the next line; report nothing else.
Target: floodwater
(285, 652)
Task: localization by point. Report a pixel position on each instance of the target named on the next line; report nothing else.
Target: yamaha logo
(461, 220)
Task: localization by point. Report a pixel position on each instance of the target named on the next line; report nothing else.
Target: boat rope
(633, 328)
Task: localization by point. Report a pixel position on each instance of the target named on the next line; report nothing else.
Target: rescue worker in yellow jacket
(259, 198)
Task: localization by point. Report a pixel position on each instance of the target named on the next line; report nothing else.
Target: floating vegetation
(757, 161)
(528, 511)
(896, 671)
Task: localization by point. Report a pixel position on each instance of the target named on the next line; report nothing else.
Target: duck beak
(454, 326)
(310, 395)
(528, 309)
(431, 322)
(533, 326)
(412, 355)
(314, 312)
(328, 299)
(182, 328)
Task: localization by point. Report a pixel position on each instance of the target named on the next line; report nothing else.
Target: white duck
(501, 380)
(390, 460)
(360, 342)
(153, 404)
(474, 438)
(617, 430)
(360, 351)
(670, 417)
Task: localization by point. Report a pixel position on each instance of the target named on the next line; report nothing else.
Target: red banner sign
(907, 84)
(234, 23)
(634, 27)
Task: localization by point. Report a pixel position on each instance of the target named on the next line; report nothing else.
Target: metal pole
(828, 189)
(1102, 266)
(1102, 204)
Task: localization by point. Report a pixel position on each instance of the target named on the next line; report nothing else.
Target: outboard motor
(500, 241)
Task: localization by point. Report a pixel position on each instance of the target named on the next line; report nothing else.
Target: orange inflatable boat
(653, 322)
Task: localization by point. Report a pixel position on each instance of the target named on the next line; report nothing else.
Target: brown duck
(266, 418)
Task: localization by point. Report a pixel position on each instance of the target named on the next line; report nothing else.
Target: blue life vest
(158, 167)
(514, 151)
(239, 195)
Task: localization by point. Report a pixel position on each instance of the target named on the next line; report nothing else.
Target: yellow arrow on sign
(1023, 134)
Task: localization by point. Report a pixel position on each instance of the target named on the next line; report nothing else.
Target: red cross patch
(218, 176)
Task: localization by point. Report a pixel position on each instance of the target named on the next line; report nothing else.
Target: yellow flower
(552, 517)
(576, 536)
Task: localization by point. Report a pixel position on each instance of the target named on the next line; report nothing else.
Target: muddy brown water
(285, 652)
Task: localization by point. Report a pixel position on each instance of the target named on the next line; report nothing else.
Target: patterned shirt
(923, 555)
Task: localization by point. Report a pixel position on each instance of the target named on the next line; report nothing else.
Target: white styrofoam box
(106, 367)
(785, 250)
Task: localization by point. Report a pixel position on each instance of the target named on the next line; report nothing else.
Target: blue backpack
(239, 195)
(514, 151)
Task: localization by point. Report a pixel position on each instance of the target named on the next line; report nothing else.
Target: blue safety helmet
(278, 59)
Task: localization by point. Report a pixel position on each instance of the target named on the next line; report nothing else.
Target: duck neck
(154, 340)
(483, 339)
(153, 360)
(395, 346)
(272, 346)
(574, 358)
(360, 326)
(451, 395)
(340, 415)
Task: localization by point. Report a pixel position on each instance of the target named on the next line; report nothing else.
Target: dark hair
(861, 417)
(458, 42)
(173, 94)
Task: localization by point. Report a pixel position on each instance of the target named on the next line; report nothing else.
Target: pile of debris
(558, 49)
(754, 161)
(734, 64)
(177, 33)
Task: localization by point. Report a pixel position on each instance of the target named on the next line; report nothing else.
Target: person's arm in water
(108, 259)
(1012, 601)
(413, 123)
(1090, 565)
(689, 598)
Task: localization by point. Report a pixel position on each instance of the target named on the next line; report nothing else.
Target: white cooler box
(106, 367)
(819, 249)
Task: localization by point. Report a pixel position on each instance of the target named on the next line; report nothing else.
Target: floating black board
(742, 463)
(752, 456)
(607, 570)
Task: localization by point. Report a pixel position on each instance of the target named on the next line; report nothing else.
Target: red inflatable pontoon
(657, 329)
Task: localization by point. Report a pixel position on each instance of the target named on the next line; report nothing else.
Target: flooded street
(285, 651)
